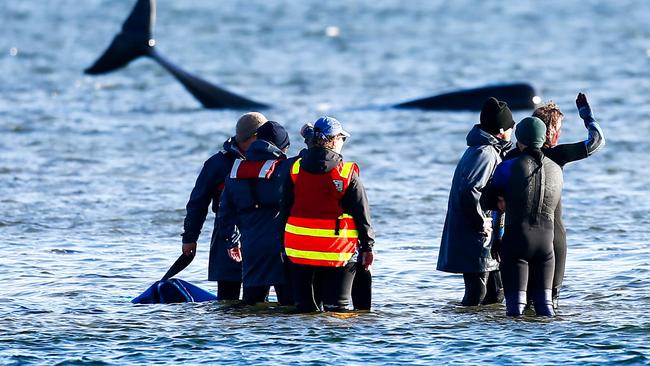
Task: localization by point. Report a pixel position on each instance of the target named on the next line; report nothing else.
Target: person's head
(246, 129)
(275, 134)
(329, 133)
(307, 132)
(550, 114)
(530, 132)
(496, 119)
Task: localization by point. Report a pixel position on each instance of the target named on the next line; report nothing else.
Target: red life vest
(318, 232)
(250, 169)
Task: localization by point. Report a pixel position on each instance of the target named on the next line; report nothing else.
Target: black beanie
(495, 115)
(274, 133)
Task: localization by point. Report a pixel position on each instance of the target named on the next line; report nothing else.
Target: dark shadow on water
(274, 308)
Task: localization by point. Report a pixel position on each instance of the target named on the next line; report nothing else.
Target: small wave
(64, 251)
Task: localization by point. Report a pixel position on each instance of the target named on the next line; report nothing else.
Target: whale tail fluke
(209, 95)
(135, 40)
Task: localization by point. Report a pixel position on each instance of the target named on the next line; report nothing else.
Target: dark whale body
(518, 96)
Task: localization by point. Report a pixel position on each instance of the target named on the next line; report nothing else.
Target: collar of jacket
(478, 137)
(537, 154)
(230, 148)
(320, 160)
(264, 150)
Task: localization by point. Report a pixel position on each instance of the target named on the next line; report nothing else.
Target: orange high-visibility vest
(318, 232)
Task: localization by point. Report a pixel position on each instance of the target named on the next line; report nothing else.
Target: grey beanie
(531, 131)
(248, 124)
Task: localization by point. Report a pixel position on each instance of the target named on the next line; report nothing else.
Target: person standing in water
(528, 189)
(563, 154)
(327, 221)
(207, 189)
(467, 235)
(250, 204)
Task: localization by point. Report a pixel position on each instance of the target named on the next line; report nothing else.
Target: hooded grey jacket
(464, 248)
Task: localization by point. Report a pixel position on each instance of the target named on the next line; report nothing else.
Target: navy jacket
(464, 248)
(207, 189)
(252, 206)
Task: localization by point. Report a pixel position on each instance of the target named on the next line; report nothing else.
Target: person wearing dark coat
(323, 281)
(251, 203)
(563, 154)
(207, 189)
(467, 235)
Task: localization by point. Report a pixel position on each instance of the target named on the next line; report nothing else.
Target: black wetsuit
(531, 185)
(563, 154)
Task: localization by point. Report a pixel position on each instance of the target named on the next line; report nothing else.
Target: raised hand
(583, 108)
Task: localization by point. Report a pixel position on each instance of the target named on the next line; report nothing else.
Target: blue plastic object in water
(173, 291)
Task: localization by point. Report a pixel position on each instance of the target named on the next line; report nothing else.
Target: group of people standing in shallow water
(302, 224)
(503, 229)
(299, 224)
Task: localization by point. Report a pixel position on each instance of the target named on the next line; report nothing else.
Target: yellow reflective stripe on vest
(324, 256)
(321, 233)
(345, 171)
(295, 168)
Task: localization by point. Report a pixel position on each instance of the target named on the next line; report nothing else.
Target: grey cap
(248, 124)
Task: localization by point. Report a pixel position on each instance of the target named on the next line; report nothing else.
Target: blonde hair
(551, 115)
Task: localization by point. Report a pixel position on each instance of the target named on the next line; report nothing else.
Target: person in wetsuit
(528, 188)
(563, 154)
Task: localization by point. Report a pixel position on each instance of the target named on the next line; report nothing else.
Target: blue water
(95, 173)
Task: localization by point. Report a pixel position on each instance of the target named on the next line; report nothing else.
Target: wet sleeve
(476, 178)
(227, 219)
(596, 139)
(355, 203)
(566, 153)
(496, 186)
(200, 198)
(287, 200)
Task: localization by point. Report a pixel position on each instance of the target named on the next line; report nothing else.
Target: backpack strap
(247, 169)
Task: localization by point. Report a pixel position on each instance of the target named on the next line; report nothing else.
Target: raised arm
(596, 139)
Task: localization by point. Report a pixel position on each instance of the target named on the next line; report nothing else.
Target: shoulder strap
(295, 169)
(247, 169)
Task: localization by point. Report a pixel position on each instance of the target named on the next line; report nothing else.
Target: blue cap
(329, 127)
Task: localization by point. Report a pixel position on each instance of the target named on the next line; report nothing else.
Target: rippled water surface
(95, 173)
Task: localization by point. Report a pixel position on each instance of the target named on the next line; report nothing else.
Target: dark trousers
(322, 288)
(482, 288)
(228, 290)
(528, 266)
(362, 288)
(255, 294)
